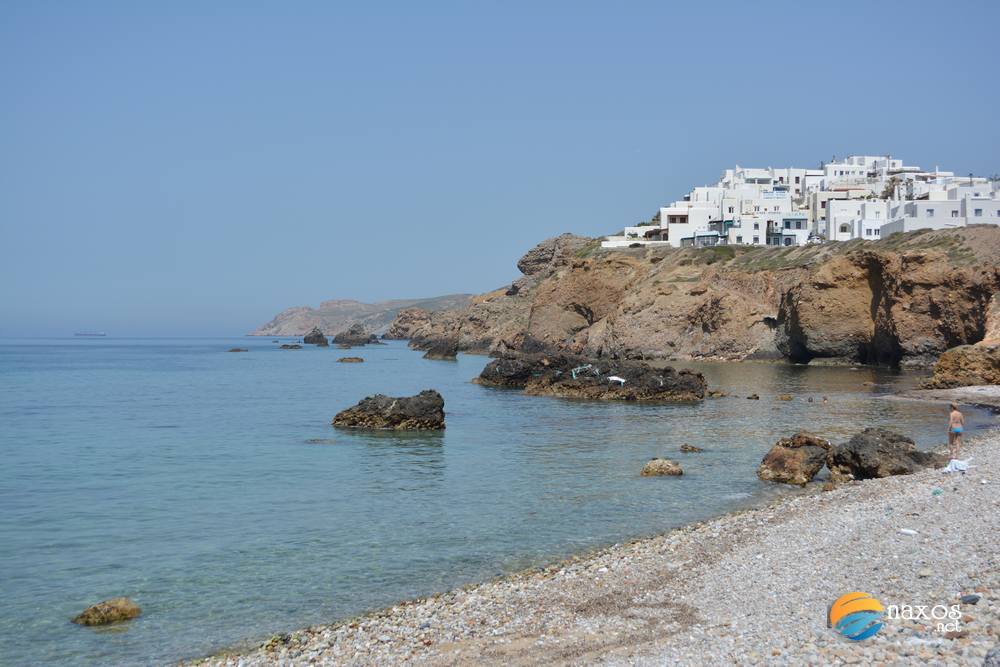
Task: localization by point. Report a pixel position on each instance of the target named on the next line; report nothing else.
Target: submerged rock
(794, 460)
(879, 452)
(753, 397)
(291, 346)
(315, 337)
(108, 611)
(355, 335)
(660, 467)
(238, 349)
(443, 350)
(569, 376)
(350, 360)
(690, 449)
(425, 411)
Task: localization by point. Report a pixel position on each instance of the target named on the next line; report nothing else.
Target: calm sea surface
(210, 487)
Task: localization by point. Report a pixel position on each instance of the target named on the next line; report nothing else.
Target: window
(756, 239)
(868, 232)
(877, 232)
(730, 209)
(788, 224)
(978, 212)
(798, 224)
(756, 226)
(788, 241)
(822, 204)
(930, 213)
(954, 214)
(878, 214)
(844, 229)
(796, 181)
(739, 239)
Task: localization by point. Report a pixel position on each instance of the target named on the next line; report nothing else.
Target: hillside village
(859, 197)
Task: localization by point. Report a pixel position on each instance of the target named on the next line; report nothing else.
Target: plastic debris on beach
(907, 531)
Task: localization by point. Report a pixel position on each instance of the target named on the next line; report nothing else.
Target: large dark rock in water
(315, 337)
(794, 460)
(570, 376)
(108, 611)
(356, 335)
(446, 350)
(425, 411)
(879, 452)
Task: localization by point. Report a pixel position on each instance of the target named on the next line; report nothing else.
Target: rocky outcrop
(350, 360)
(878, 452)
(355, 336)
(315, 337)
(690, 449)
(406, 322)
(794, 460)
(661, 467)
(425, 411)
(552, 253)
(108, 611)
(900, 301)
(443, 350)
(967, 365)
(570, 376)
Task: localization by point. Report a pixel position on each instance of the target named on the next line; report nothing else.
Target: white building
(859, 197)
(850, 219)
(961, 206)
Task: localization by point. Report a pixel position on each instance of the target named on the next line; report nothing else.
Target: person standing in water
(956, 420)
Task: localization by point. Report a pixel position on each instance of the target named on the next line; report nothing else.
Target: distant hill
(335, 316)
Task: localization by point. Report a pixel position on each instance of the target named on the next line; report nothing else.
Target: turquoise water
(209, 486)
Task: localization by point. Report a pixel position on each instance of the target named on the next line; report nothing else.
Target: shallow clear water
(209, 486)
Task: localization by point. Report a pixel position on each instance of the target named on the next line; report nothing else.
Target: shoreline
(750, 585)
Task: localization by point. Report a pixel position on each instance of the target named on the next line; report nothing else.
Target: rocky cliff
(899, 301)
(336, 316)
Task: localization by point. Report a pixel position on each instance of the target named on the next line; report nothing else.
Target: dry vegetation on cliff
(902, 300)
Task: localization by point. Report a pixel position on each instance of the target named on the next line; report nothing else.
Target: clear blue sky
(192, 168)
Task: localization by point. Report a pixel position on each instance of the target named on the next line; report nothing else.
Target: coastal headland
(900, 301)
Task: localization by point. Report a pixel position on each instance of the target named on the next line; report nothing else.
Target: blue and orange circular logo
(856, 616)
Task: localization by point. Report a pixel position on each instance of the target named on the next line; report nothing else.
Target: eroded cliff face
(902, 300)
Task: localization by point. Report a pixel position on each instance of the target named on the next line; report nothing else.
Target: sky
(190, 168)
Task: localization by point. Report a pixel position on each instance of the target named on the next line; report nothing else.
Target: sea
(210, 487)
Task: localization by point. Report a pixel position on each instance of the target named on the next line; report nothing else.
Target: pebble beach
(749, 587)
